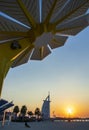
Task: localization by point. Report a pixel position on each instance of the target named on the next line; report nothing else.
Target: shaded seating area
(4, 104)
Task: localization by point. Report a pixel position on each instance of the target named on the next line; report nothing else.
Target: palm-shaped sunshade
(50, 23)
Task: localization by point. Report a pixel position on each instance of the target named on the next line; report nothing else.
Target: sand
(47, 125)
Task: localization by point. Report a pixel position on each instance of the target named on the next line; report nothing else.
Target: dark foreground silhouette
(27, 125)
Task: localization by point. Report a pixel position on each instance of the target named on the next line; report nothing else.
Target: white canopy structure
(42, 26)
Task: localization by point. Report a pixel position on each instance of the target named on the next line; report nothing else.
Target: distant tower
(46, 108)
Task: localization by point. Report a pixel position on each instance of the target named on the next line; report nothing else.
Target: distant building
(46, 108)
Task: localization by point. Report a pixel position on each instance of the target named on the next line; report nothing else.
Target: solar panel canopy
(34, 28)
(5, 105)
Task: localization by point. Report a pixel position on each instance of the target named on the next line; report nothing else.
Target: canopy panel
(33, 8)
(22, 58)
(57, 41)
(50, 8)
(71, 9)
(8, 25)
(74, 26)
(12, 8)
(40, 53)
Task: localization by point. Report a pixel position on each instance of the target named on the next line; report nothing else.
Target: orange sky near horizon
(61, 109)
(77, 111)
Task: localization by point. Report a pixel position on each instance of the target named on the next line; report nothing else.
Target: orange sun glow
(70, 111)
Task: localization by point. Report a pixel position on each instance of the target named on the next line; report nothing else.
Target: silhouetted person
(27, 125)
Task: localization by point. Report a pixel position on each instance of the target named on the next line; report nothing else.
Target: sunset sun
(70, 111)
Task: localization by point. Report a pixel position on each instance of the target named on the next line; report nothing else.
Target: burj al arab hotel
(46, 108)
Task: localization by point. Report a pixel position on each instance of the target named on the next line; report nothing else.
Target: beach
(47, 125)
